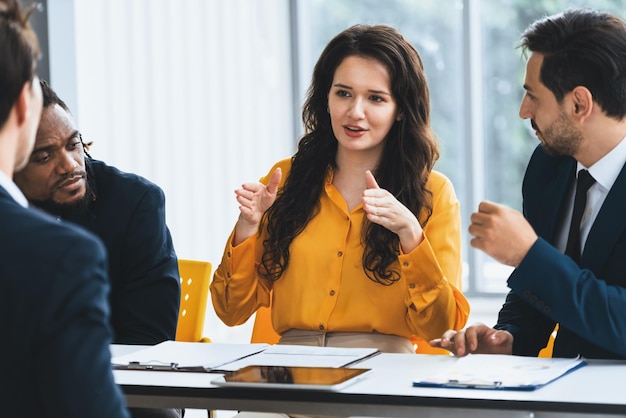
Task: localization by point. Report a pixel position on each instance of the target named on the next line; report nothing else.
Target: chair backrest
(547, 350)
(422, 347)
(262, 330)
(195, 277)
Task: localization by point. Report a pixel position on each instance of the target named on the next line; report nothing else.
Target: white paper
(189, 354)
(298, 355)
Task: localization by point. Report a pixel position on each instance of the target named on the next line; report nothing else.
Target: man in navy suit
(54, 315)
(125, 210)
(576, 102)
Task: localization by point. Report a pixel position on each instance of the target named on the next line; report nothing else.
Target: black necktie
(584, 182)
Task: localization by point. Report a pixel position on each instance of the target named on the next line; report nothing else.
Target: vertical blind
(195, 95)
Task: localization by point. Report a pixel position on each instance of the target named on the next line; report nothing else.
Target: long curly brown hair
(410, 151)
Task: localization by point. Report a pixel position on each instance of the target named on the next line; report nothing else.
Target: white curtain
(195, 95)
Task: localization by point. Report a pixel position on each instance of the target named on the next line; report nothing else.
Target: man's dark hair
(50, 97)
(582, 47)
(19, 52)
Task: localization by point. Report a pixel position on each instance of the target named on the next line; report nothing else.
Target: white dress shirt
(13, 190)
(605, 172)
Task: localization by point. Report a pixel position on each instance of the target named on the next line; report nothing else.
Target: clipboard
(500, 372)
(154, 365)
(177, 356)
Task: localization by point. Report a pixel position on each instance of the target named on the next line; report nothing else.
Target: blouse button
(321, 327)
(405, 264)
(228, 275)
(332, 293)
(412, 285)
(228, 253)
(339, 254)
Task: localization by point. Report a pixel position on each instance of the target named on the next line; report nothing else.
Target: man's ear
(23, 104)
(582, 101)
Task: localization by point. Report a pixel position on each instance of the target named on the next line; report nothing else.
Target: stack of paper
(298, 355)
(186, 356)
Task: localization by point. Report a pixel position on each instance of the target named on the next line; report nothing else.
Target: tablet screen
(296, 376)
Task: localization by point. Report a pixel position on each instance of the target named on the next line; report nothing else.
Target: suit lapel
(608, 226)
(553, 201)
(5, 195)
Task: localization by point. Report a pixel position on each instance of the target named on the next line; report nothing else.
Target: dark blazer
(588, 302)
(128, 214)
(54, 319)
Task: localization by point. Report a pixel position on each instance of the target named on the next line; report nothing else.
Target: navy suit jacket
(128, 214)
(54, 319)
(587, 301)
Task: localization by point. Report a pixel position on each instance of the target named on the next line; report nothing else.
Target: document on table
(495, 371)
(299, 355)
(185, 356)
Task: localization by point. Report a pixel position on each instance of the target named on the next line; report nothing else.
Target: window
(197, 96)
(475, 74)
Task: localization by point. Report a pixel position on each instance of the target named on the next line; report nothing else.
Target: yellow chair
(547, 350)
(263, 330)
(422, 347)
(195, 277)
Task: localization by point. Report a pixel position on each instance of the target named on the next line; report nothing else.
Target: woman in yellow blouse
(355, 239)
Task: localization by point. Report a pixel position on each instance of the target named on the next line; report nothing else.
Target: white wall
(195, 95)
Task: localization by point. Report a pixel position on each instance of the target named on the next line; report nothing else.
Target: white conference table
(594, 390)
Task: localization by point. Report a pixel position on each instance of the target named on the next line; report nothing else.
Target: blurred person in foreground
(125, 210)
(576, 102)
(53, 277)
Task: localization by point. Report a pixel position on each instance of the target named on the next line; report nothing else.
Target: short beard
(563, 139)
(65, 210)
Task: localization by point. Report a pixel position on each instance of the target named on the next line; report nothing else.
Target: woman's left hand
(382, 208)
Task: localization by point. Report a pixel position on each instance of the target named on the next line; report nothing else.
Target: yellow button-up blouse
(325, 287)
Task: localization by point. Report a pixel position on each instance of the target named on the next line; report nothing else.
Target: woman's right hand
(254, 199)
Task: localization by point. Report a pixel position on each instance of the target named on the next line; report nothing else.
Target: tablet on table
(296, 377)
